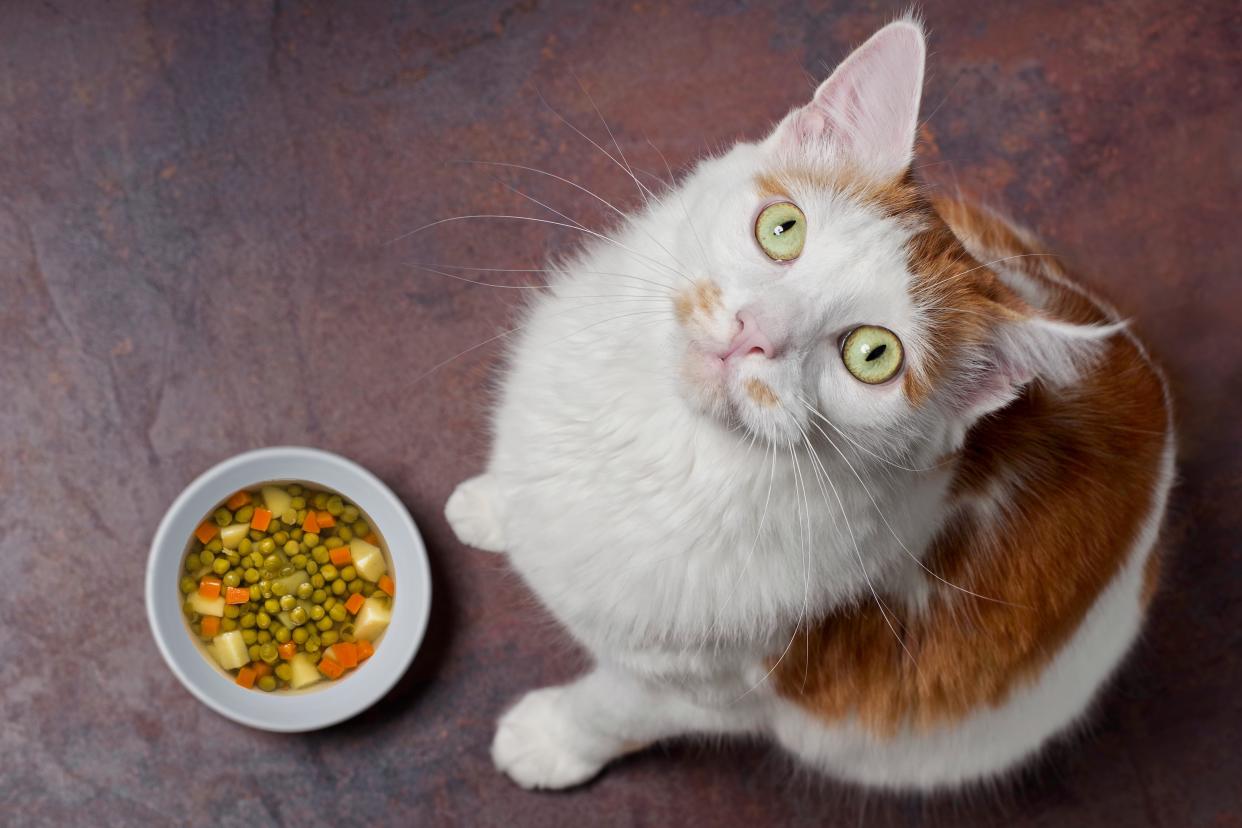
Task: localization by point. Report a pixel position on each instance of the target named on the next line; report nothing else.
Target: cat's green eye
(781, 231)
(872, 354)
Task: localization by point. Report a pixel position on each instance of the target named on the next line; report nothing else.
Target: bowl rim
(320, 707)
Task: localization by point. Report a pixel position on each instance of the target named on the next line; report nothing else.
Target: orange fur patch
(1082, 465)
(703, 297)
(761, 392)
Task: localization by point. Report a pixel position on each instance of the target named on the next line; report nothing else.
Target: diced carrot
(340, 556)
(326, 521)
(209, 586)
(372, 539)
(238, 500)
(261, 669)
(346, 653)
(287, 650)
(365, 649)
(236, 595)
(311, 524)
(261, 519)
(211, 626)
(355, 603)
(386, 584)
(330, 668)
(206, 531)
(246, 677)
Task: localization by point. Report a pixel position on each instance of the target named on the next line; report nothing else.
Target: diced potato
(230, 651)
(292, 582)
(372, 619)
(206, 606)
(368, 559)
(277, 500)
(231, 536)
(305, 673)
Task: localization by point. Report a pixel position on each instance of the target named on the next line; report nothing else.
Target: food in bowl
(287, 586)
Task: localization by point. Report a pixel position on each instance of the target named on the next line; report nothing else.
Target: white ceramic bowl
(324, 704)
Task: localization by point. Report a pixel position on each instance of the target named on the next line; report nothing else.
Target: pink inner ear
(869, 107)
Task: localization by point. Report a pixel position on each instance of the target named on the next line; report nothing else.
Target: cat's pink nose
(749, 339)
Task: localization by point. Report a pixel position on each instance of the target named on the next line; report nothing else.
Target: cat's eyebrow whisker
(537, 220)
(620, 153)
(648, 292)
(642, 187)
(813, 410)
(680, 200)
(893, 531)
(662, 285)
(581, 188)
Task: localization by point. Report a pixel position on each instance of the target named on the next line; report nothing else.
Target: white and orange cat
(801, 451)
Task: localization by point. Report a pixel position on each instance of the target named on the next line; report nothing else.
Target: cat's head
(824, 279)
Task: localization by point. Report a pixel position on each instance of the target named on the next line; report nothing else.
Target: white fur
(677, 527)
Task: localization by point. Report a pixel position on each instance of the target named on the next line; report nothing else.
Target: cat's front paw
(473, 510)
(538, 746)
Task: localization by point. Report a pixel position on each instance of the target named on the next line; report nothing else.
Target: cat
(801, 450)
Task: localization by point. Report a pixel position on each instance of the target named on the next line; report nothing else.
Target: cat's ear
(1023, 349)
(866, 113)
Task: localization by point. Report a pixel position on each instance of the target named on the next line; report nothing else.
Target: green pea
(268, 652)
(228, 624)
(254, 652)
(311, 645)
(350, 514)
(220, 566)
(368, 589)
(244, 514)
(299, 635)
(263, 620)
(356, 586)
(232, 579)
(188, 585)
(267, 683)
(279, 588)
(251, 575)
(344, 535)
(249, 636)
(272, 562)
(320, 500)
(291, 547)
(294, 489)
(255, 535)
(205, 558)
(305, 590)
(297, 535)
(339, 587)
(263, 636)
(329, 637)
(299, 616)
(288, 602)
(243, 548)
(284, 672)
(188, 609)
(255, 592)
(271, 606)
(329, 602)
(316, 612)
(231, 611)
(298, 561)
(248, 620)
(319, 596)
(311, 567)
(333, 543)
(312, 539)
(275, 527)
(317, 580)
(337, 613)
(233, 558)
(281, 634)
(289, 516)
(335, 505)
(266, 547)
(361, 528)
(216, 545)
(280, 538)
(329, 572)
(349, 573)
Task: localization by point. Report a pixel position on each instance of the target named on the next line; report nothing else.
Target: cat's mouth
(736, 390)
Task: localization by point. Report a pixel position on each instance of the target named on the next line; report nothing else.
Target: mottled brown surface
(195, 206)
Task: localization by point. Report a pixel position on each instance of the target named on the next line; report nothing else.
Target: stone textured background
(197, 202)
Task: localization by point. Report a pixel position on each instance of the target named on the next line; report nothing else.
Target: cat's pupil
(876, 352)
(783, 226)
